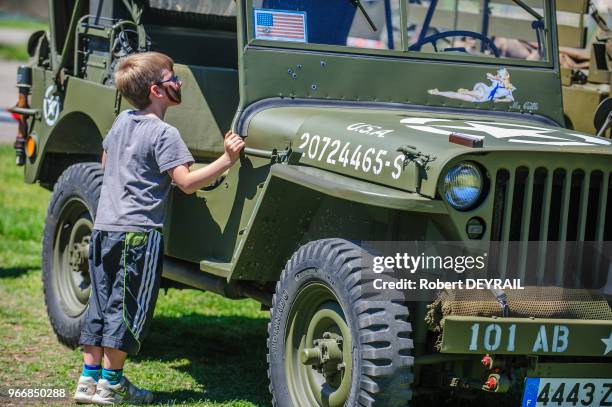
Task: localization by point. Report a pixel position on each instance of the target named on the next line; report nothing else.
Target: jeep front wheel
(328, 344)
(65, 253)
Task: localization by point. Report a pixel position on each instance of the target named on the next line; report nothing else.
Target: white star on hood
(504, 132)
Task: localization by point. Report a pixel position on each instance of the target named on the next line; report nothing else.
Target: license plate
(540, 392)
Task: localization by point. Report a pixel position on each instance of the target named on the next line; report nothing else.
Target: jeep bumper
(526, 336)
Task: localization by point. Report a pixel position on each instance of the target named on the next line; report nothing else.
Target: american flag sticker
(280, 25)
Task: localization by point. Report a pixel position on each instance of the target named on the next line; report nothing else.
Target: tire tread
(386, 371)
(84, 179)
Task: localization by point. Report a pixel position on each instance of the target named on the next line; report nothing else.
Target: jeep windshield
(495, 29)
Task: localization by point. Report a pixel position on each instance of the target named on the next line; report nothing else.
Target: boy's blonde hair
(137, 72)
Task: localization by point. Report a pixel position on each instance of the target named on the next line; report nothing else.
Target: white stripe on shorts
(143, 284)
(150, 283)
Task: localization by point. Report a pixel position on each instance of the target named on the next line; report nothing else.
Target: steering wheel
(457, 33)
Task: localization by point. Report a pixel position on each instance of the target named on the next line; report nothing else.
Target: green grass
(18, 52)
(14, 52)
(24, 24)
(203, 350)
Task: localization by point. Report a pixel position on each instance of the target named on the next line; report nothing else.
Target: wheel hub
(326, 355)
(71, 257)
(79, 255)
(319, 349)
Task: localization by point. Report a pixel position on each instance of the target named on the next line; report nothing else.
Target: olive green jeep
(366, 121)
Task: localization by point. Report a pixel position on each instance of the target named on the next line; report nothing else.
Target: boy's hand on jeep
(191, 181)
(233, 145)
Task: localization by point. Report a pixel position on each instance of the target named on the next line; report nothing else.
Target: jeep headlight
(463, 185)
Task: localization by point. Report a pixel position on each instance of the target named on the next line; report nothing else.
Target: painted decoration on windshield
(499, 91)
(280, 25)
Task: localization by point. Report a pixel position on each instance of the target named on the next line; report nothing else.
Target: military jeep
(366, 121)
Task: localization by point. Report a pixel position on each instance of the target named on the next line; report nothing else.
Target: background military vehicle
(585, 72)
(431, 133)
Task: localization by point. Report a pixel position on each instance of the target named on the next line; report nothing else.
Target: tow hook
(496, 383)
(491, 363)
(487, 361)
(464, 384)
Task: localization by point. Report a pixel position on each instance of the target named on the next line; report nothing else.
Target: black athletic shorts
(125, 269)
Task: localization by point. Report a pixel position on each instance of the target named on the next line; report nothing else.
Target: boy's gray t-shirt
(139, 151)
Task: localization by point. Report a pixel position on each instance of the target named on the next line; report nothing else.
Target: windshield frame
(550, 42)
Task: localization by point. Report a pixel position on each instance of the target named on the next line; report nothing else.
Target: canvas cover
(226, 8)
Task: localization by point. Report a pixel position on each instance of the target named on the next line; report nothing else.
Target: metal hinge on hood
(420, 160)
(281, 156)
(413, 155)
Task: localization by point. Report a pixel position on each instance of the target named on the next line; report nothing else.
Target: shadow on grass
(227, 356)
(15, 272)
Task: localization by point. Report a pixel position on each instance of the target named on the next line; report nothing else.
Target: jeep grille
(558, 205)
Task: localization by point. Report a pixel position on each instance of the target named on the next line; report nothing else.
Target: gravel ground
(8, 97)
(14, 36)
(8, 91)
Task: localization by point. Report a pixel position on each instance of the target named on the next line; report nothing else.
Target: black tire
(73, 205)
(380, 330)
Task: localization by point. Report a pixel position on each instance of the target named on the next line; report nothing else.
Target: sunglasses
(173, 78)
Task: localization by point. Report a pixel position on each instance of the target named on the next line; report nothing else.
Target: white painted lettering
(474, 342)
(560, 338)
(489, 344)
(541, 342)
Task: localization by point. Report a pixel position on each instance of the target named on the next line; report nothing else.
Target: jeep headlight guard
(463, 185)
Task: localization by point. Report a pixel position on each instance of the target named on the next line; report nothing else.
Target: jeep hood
(337, 139)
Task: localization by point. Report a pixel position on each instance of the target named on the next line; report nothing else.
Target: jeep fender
(76, 136)
(299, 204)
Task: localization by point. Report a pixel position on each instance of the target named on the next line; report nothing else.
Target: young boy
(142, 155)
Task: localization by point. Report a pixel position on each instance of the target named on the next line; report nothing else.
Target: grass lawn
(18, 52)
(24, 23)
(203, 350)
(13, 52)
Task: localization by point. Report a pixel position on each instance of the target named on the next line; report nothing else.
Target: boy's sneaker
(124, 391)
(86, 388)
